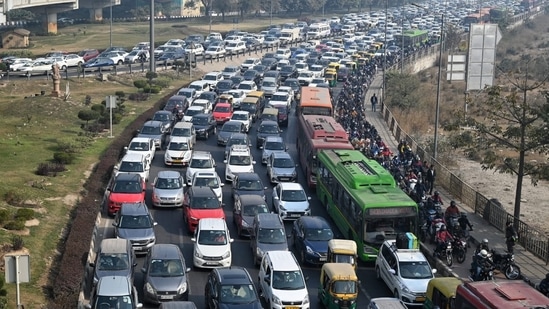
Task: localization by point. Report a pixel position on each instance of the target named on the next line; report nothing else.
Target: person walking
(510, 236)
(373, 100)
(430, 178)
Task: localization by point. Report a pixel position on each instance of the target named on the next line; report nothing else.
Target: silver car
(134, 222)
(168, 189)
(281, 168)
(114, 258)
(165, 275)
(290, 201)
(271, 145)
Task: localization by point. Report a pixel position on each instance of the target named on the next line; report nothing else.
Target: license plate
(420, 299)
(291, 307)
(284, 178)
(166, 296)
(178, 161)
(295, 215)
(323, 259)
(137, 248)
(211, 263)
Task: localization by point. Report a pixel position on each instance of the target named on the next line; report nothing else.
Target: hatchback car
(212, 244)
(229, 128)
(310, 237)
(237, 139)
(168, 189)
(271, 145)
(200, 203)
(125, 188)
(290, 201)
(223, 112)
(268, 234)
(154, 130)
(209, 179)
(223, 86)
(266, 128)
(205, 125)
(243, 117)
(281, 168)
(248, 183)
(143, 146)
(201, 161)
(165, 275)
(114, 292)
(244, 211)
(230, 71)
(247, 86)
(178, 152)
(135, 222)
(231, 288)
(114, 258)
(185, 129)
(193, 110)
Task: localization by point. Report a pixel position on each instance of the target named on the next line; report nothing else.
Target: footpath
(533, 268)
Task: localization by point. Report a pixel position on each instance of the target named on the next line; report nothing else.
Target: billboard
(483, 39)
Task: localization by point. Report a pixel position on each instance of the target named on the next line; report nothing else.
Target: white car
(142, 46)
(235, 47)
(209, 179)
(194, 48)
(238, 96)
(317, 70)
(249, 63)
(406, 272)
(175, 42)
(281, 98)
(290, 201)
(191, 111)
(116, 56)
(211, 241)
(178, 152)
(247, 86)
(19, 62)
(142, 145)
(73, 60)
(239, 160)
(301, 66)
(133, 163)
(212, 78)
(205, 104)
(283, 53)
(305, 77)
(61, 62)
(215, 52)
(201, 161)
(244, 117)
(136, 56)
(160, 50)
(36, 67)
(200, 86)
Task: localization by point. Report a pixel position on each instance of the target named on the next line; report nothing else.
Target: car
(205, 125)
(213, 78)
(223, 112)
(176, 102)
(406, 272)
(290, 201)
(212, 244)
(154, 130)
(205, 105)
(215, 52)
(165, 275)
(249, 63)
(300, 67)
(16, 63)
(248, 183)
(196, 38)
(185, 129)
(266, 128)
(208, 95)
(386, 302)
(190, 93)
(239, 160)
(36, 67)
(269, 85)
(267, 234)
(310, 237)
(125, 188)
(224, 86)
(88, 54)
(65, 21)
(235, 47)
(113, 292)
(281, 168)
(134, 222)
(201, 161)
(231, 288)
(142, 145)
(74, 60)
(191, 111)
(200, 203)
(115, 257)
(116, 56)
(236, 139)
(305, 78)
(236, 79)
(194, 48)
(281, 98)
(209, 179)
(243, 117)
(288, 71)
(271, 145)
(227, 130)
(247, 86)
(169, 56)
(200, 86)
(133, 163)
(178, 152)
(167, 189)
(136, 56)
(158, 51)
(246, 207)
(99, 62)
(271, 41)
(252, 75)
(167, 118)
(269, 62)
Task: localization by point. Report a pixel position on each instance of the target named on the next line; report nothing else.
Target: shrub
(99, 108)
(64, 157)
(120, 94)
(24, 214)
(140, 96)
(116, 118)
(4, 215)
(140, 83)
(17, 242)
(15, 225)
(88, 100)
(69, 145)
(50, 169)
(152, 89)
(162, 82)
(14, 198)
(96, 127)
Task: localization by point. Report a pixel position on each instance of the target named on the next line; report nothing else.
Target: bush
(120, 94)
(96, 127)
(14, 198)
(116, 118)
(152, 89)
(162, 82)
(4, 215)
(17, 242)
(140, 83)
(64, 157)
(140, 96)
(24, 214)
(69, 145)
(15, 225)
(50, 169)
(99, 108)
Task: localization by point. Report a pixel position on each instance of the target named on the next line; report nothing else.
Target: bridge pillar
(49, 22)
(96, 14)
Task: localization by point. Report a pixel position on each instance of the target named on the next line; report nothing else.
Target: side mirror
(309, 198)
(193, 239)
(221, 184)
(267, 279)
(392, 271)
(275, 197)
(155, 223)
(253, 162)
(434, 270)
(143, 270)
(188, 269)
(225, 161)
(231, 240)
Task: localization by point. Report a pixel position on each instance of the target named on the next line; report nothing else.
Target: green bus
(412, 38)
(363, 199)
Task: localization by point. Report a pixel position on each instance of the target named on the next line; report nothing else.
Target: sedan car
(224, 86)
(36, 67)
(246, 207)
(205, 125)
(215, 52)
(166, 117)
(281, 168)
(248, 183)
(168, 189)
(290, 201)
(310, 238)
(165, 275)
(266, 128)
(74, 60)
(252, 75)
(247, 86)
(228, 129)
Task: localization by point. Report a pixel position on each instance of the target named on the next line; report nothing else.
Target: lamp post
(210, 14)
(110, 28)
(152, 65)
(384, 56)
(271, 13)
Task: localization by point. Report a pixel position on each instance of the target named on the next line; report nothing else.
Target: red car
(223, 112)
(88, 54)
(125, 188)
(199, 203)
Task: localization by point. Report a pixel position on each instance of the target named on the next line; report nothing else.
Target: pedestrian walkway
(533, 268)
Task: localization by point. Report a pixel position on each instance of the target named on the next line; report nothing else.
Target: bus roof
(315, 96)
(414, 32)
(508, 294)
(324, 127)
(331, 143)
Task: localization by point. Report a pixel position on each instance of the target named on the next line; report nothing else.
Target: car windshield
(202, 104)
(250, 185)
(252, 210)
(288, 280)
(250, 73)
(249, 61)
(415, 270)
(305, 74)
(178, 146)
(245, 86)
(192, 112)
(344, 287)
(151, 130)
(274, 146)
(135, 222)
(117, 261)
(268, 84)
(196, 87)
(139, 146)
(230, 69)
(207, 96)
(318, 234)
(240, 160)
(269, 129)
(130, 167)
(271, 236)
(231, 127)
(201, 163)
(238, 294)
(212, 237)
(222, 109)
(236, 94)
(127, 187)
(210, 77)
(200, 121)
(168, 183)
(166, 268)
(293, 196)
(283, 163)
(280, 97)
(186, 93)
(122, 302)
(240, 117)
(287, 68)
(225, 85)
(236, 141)
(205, 202)
(211, 182)
(181, 132)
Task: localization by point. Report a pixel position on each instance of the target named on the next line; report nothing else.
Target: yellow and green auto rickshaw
(331, 77)
(441, 293)
(342, 251)
(338, 286)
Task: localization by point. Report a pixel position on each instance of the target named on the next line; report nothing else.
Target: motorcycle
(459, 249)
(446, 253)
(486, 273)
(505, 262)
(436, 224)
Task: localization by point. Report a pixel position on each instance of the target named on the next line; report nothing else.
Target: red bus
(318, 132)
(508, 294)
(315, 101)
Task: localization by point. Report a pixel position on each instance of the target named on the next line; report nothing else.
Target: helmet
(436, 193)
(453, 203)
(483, 253)
(484, 241)
(443, 227)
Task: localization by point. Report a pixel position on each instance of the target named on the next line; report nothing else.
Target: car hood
(283, 171)
(224, 135)
(177, 153)
(261, 134)
(291, 295)
(200, 127)
(135, 234)
(126, 197)
(207, 250)
(221, 115)
(109, 273)
(153, 136)
(416, 285)
(169, 192)
(295, 206)
(254, 305)
(207, 213)
(235, 169)
(187, 118)
(272, 247)
(166, 283)
(317, 246)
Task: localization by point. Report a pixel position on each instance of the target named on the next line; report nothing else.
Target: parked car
(74, 60)
(88, 54)
(137, 56)
(215, 52)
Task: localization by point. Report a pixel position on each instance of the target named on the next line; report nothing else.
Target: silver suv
(114, 292)
(134, 222)
(281, 168)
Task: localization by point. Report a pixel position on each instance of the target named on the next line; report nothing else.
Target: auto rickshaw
(225, 98)
(363, 61)
(338, 286)
(331, 77)
(333, 66)
(342, 251)
(441, 293)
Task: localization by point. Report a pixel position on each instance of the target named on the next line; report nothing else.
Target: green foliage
(87, 115)
(99, 108)
(17, 242)
(140, 83)
(4, 215)
(21, 14)
(70, 145)
(462, 139)
(50, 169)
(151, 75)
(24, 214)
(162, 82)
(88, 100)
(64, 157)
(403, 90)
(15, 225)
(152, 89)
(120, 94)
(3, 300)
(3, 67)
(14, 198)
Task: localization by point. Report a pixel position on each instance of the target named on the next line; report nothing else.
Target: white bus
(318, 30)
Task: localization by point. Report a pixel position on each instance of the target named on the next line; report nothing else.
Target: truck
(289, 35)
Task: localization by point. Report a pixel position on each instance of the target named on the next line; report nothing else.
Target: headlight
(281, 206)
(197, 254)
(244, 224)
(405, 289)
(226, 255)
(306, 300)
(276, 300)
(201, 130)
(149, 288)
(309, 250)
(258, 252)
(187, 155)
(183, 288)
(294, 174)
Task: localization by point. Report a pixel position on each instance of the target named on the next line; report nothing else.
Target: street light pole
(110, 29)
(384, 56)
(271, 14)
(152, 65)
(437, 108)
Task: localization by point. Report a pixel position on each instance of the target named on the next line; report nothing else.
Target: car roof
(233, 275)
(168, 174)
(267, 220)
(212, 223)
(178, 305)
(406, 255)
(163, 112)
(205, 174)
(134, 209)
(281, 92)
(113, 286)
(114, 245)
(153, 123)
(282, 260)
(202, 115)
(133, 157)
(141, 139)
(314, 222)
(241, 112)
(223, 104)
(268, 122)
(165, 251)
(179, 139)
(290, 186)
(202, 154)
(128, 176)
(248, 176)
(203, 191)
(239, 136)
(197, 107)
(252, 199)
(183, 124)
(281, 154)
(233, 122)
(274, 139)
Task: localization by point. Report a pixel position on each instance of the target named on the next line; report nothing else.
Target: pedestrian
(430, 178)
(373, 100)
(510, 236)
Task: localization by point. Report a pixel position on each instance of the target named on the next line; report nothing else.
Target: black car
(311, 61)
(245, 209)
(237, 80)
(270, 63)
(248, 183)
(208, 95)
(167, 118)
(231, 288)
(288, 71)
(266, 128)
(261, 69)
(224, 86)
(274, 74)
(228, 129)
(252, 75)
(205, 125)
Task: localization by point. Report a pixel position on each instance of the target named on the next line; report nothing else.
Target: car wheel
(120, 62)
(302, 257)
(63, 68)
(215, 130)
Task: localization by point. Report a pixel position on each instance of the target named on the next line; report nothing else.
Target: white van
(281, 281)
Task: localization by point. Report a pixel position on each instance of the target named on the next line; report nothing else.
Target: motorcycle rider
(451, 211)
(543, 286)
(441, 238)
(482, 246)
(480, 260)
(436, 198)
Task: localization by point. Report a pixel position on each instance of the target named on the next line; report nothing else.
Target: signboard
(456, 67)
(391, 211)
(483, 39)
(22, 267)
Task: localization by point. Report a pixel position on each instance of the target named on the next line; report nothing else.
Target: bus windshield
(376, 231)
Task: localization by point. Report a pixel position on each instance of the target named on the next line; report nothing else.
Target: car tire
(302, 258)
(215, 130)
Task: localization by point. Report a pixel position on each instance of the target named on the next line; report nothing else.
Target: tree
(402, 90)
(223, 6)
(87, 115)
(512, 124)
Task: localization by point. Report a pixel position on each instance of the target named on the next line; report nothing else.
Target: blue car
(99, 62)
(311, 235)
